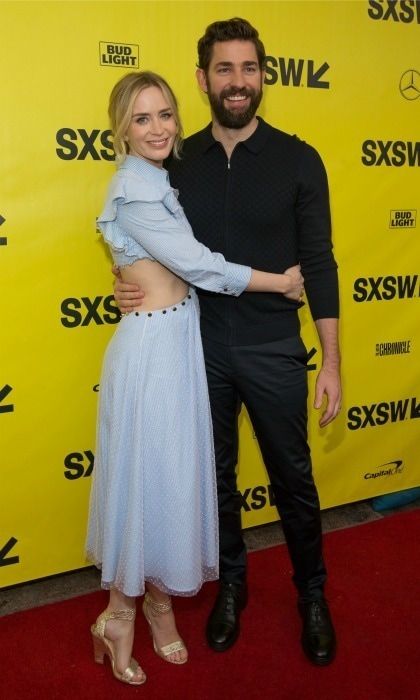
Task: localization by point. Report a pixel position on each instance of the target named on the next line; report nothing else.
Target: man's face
(233, 83)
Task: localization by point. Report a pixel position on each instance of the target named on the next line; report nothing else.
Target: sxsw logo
(111, 54)
(79, 144)
(388, 469)
(78, 464)
(295, 72)
(257, 498)
(391, 153)
(403, 218)
(82, 312)
(4, 393)
(405, 11)
(386, 288)
(375, 414)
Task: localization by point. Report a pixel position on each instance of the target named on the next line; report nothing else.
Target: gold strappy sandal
(153, 609)
(102, 645)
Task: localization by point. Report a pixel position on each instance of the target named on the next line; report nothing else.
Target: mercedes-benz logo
(410, 84)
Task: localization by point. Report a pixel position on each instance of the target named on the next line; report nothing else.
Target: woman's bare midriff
(160, 286)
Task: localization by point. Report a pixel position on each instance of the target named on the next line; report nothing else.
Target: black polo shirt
(267, 207)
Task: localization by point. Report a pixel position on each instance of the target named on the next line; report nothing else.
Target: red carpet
(374, 593)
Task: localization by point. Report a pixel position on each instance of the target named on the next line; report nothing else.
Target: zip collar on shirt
(254, 143)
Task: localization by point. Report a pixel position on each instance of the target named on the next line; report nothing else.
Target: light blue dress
(153, 507)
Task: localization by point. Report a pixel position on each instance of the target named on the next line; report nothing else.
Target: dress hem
(211, 574)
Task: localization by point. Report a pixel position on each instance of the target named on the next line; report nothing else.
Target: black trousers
(271, 380)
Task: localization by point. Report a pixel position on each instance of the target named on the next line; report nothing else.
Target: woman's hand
(295, 282)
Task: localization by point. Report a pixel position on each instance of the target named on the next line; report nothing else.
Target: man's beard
(234, 119)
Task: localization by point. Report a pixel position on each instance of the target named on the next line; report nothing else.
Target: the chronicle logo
(410, 84)
(403, 218)
(82, 312)
(388, 469)
(383, 412)
(405, 11)
(395, 347)
(79, 144)
(295, 72)
(386, 288)
(391, 153)
(111, 54)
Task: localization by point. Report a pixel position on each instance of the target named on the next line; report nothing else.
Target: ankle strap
(126, 614)
(155, 607)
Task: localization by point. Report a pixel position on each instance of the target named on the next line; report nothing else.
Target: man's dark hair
(228, 30)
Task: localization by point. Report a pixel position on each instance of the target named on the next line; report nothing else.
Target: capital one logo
(388, 469)
(410, 84)
(80, 144)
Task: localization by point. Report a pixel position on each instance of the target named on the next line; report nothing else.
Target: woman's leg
(121, 632)
(163, 627)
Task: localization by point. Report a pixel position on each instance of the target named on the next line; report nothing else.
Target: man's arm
(127, 296)
(320, 273)
(328, 381)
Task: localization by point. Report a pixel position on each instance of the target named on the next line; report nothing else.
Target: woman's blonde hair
(121, 102)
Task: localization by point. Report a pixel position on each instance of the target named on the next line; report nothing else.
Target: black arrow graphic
(7, 408)
(3, 240)
(6, 549)
(415, 409)
(311, 353)
(315, 75)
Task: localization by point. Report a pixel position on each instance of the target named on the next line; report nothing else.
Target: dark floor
(60, 587)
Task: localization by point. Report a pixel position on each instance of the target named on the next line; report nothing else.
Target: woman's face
(152, 128)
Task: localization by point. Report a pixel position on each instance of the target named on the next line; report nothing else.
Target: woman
(153, 512)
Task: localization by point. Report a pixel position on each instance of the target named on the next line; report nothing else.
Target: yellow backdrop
(345, 77)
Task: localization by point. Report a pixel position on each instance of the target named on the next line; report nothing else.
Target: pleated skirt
(153, 506)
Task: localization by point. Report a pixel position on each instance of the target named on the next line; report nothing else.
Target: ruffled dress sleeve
(142, 219)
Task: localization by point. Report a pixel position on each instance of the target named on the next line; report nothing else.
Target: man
(260, 197)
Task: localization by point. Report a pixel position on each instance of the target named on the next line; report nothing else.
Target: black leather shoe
(318, 636)
(223, 624)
